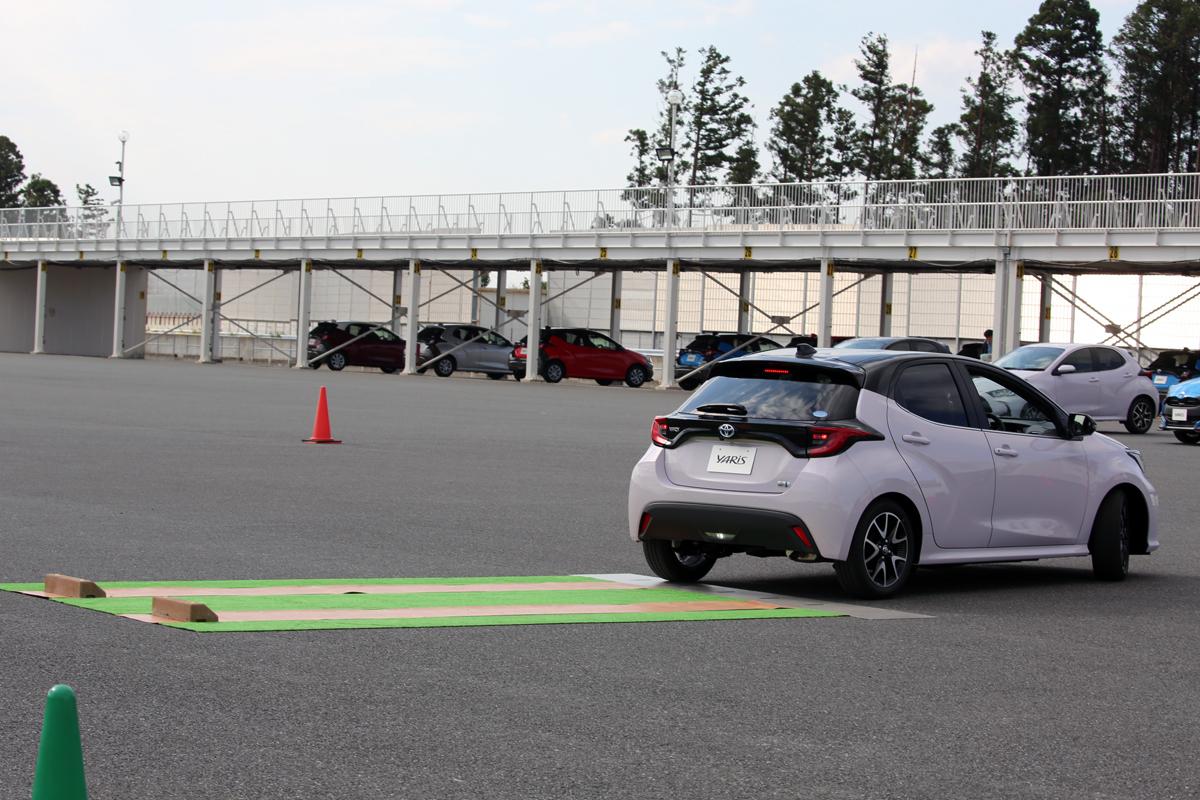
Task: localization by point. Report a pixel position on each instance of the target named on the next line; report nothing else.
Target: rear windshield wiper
(726, 409)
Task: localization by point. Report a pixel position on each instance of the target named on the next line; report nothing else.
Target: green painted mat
(570, 599)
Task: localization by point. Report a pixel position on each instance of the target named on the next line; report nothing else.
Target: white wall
(18, 291)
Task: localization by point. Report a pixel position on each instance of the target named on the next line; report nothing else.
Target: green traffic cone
(59, 774)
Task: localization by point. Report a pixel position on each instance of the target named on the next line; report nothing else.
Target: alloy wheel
(885, 549)
(1142, 415)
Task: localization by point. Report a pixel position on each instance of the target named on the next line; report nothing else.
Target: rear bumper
(727, 526)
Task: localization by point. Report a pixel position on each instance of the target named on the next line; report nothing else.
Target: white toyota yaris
(878, 461)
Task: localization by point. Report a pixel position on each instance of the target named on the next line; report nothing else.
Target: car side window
(1081, 360)
(922, 346)
(602, 341)
(384, 335)
(929, 391)
(1107, 359)
(491, 337)
(766, 344)
(1010, 407)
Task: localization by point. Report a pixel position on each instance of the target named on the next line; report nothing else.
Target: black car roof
(873, 365)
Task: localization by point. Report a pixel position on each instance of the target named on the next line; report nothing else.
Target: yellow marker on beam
(912, 254)
(1114, 253)
(747, 252)
(603, 253)
(474, 253)
(359, 252)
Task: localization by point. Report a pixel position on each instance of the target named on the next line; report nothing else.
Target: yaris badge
(726, 431)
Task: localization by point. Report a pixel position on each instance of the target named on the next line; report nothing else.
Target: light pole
(667, 154)
(118, 180)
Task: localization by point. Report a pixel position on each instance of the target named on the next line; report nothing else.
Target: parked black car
(378, 348)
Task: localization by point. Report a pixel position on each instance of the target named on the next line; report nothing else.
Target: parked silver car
(470, 348)
(1103, 382)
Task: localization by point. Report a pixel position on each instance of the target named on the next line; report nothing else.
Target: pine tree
(41, 193)
(987, 128)
(909, 112)
(744, 166)
(941, 158)
(647, 169)
(1060, 58)
(873, 153)
(1158, 51)
(717, 118)
(12, 173)
(802, 141)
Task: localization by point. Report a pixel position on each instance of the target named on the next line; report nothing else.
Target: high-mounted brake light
(829, 441)
(658, 432)
(769, 371)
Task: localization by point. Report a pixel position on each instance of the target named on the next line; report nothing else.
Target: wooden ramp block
(177, 610)
(66, 586)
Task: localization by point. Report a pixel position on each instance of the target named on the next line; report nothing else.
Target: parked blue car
(1171, 367)
(1181, 411)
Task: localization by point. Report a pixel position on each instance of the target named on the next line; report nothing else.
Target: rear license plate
(1160, 380)
(1177, 415)
(692, 360)
(734, 460)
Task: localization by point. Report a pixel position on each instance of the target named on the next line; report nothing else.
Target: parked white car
(1103, 382)
(878, 461)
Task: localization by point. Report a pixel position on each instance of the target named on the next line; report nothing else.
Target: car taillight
(658, 432)
(519, 351)
(1146, 373)
(644, 523)
(829, 441)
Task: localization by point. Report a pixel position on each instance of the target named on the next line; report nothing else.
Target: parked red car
(580, 353)
(379, 348)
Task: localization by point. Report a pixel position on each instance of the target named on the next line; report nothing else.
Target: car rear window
(781, 391)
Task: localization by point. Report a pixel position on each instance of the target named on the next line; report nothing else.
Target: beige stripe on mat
(472, 611)
(357, 588)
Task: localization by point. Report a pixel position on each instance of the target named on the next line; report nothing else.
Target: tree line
(36, 191)
(1132, 106)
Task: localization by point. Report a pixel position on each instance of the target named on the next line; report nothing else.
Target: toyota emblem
(726, 431)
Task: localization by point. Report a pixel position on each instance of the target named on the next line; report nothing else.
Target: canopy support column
(744, 300)
(501, 298)
(825, 303)
(1044, 316)
(885, 303)
(411, 345)
(209, 319)
(671, 325)
(533, 321)
(118, 338)
(303, 313)
(614, 309)
(1006, 318)
(39, 309)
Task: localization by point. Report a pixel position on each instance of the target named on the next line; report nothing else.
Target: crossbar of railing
(1038, 203)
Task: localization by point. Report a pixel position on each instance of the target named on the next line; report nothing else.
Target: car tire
(389, 370)
(1141, 415)
(635, 376)
(444, 367)
(885, 529)
(518, 376)
(554, 372)
(497, 376)
(688, 384)
(1187, 437)
(1109, 543)
(314, 365)
(675, 564)
(337, 362)
(604, 381)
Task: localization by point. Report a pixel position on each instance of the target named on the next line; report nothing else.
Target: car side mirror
(1082, 425)
(1065, 369)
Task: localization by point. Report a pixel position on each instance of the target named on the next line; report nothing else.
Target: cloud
(613, 31)
(486, 21)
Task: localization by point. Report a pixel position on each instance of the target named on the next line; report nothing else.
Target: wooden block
(177, 610)
(66, 586)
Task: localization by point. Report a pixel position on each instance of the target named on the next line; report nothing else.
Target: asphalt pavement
(1028, 681)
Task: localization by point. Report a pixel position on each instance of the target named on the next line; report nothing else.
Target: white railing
(1060, 203)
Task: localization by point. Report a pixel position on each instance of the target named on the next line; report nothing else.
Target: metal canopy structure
(1139, 224)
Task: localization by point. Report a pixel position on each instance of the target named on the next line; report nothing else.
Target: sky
(256, 100)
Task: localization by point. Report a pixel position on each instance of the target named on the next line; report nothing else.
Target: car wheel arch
(1139, 516)
(915, 514)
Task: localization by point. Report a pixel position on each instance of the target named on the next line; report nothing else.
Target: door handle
(1093, 380)
(1005, 451)
(914, 438)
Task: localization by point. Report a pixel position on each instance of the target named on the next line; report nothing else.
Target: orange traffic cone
(321, 433)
